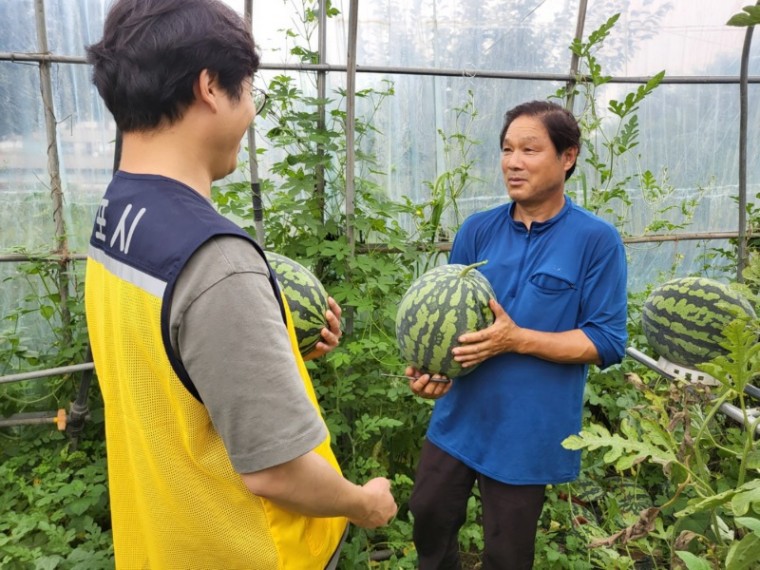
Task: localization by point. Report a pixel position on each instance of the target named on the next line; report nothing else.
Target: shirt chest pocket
(551, 284)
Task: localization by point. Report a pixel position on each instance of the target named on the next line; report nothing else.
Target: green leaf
(741, 20)
(741, 502)
(749, 522)
(749, 18)
(692, 561)
(47, 563)
(711, 503)
(623, 452)
(744, 554)
(47, 311)
(79, 506)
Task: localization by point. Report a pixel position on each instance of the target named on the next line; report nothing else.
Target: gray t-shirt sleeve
(227, 329)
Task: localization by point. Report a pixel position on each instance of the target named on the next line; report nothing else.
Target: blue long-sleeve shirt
(508, 417)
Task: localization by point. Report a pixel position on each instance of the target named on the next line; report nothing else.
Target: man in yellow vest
(218, 457)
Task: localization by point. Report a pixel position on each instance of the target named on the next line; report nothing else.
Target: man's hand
(501, 336)
(309, 485)
(427, 385)
(381, 505)
(330, 334)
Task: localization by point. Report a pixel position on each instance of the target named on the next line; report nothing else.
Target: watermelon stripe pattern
(306, 298)
(441, 305)
(683, 319)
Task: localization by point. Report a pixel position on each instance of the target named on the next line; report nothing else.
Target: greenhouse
(277, 376)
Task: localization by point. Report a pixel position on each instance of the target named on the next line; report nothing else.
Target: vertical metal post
(743, 117)
(46, 88)
(353, 24)
(53, 164)
(575, 60)
(321, 117)
(258, 208)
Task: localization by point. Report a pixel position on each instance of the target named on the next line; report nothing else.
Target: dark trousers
(439, 504)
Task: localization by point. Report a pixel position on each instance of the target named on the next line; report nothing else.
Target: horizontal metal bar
(382, 248)
(753, 391)
(424, 71)
(11, 422)
(21, 376)
(39, 57)
(57, 417)
(736, 414)
(648, 362)
(52, 257)
(682, 237)
(446, 246)
(728, 409)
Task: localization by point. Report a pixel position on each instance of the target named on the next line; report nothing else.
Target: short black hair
(560, 123)
(152, 51)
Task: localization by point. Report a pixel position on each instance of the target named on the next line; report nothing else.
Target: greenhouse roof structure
(429, 81)
(608, 367)
(439, 58)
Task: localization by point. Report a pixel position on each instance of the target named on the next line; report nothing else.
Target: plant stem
(469, 268)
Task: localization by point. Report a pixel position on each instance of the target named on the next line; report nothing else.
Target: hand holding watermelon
(438, 307)
(316, 317)
(501, 336)
(430, 386)
(330, 334)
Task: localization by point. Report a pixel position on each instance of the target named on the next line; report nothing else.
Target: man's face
(234, 119)
(533, 173)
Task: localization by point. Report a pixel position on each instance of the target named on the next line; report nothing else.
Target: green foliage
(666, 479)
(710, 494)
(750, 17)
(51, 313)
(451, 183)
(54, 510)
(610, 137)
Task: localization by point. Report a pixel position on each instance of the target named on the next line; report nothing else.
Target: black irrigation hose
(80, 411)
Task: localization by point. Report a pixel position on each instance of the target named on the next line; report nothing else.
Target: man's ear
(569, 156)
(206, 89)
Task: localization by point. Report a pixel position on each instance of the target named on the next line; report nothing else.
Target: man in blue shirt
(559, 274)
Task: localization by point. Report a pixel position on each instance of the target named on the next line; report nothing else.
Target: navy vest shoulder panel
(155, 224)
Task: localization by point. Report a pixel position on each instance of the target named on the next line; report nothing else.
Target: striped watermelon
(306, 298)
(683, 319)
(440, 305)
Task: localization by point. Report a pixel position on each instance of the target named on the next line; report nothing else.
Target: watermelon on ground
(442, 304)
(587, 490)
(631, 498)
(683, 320)
(306, 298)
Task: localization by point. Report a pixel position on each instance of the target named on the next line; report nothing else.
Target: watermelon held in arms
(442, 304)
(306, 297)
(683, 319)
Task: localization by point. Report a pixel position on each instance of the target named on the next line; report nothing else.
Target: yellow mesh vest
(176, 502)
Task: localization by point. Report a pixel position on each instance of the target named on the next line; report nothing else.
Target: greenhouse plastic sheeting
(688, 132)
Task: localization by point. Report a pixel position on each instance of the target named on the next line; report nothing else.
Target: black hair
(152, 51)
(559, 123)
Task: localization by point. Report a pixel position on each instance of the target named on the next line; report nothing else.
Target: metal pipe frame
(442, 246)
(353, 24)
(253, 163)
(34, 374)
(743, 117)
(321, 110)
(575, 60)
(727, 409)
(46, 59)
(57, 417)
(427, 71)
